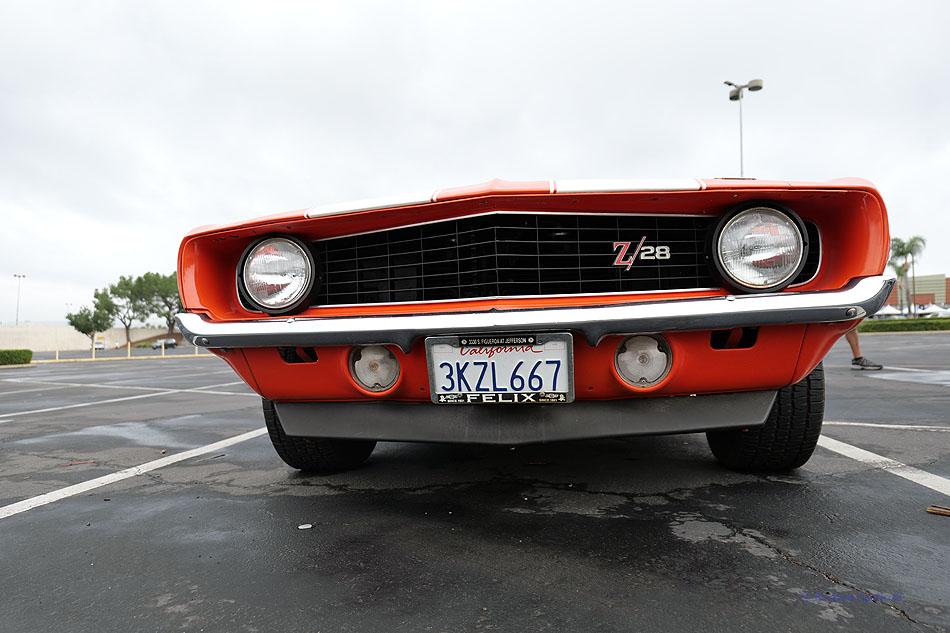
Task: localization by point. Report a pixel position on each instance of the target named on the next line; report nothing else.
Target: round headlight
(374, 367)
(643, 361)
(761, 248)
(277, 274)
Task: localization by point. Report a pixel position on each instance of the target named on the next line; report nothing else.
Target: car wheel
(788, 437)
(315, 454)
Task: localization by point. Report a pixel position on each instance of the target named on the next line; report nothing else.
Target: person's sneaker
(864, 363)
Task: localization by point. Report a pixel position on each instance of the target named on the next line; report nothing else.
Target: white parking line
(86, 384)
(10, 393)
(929, 480)
(171, 375)
(220, 393)
(34, 382)
(894, 427)
(220, 384)
(86, 486)
(223, 384)
(164, 392)
(88, 404)
(924, 377)
(112, 385)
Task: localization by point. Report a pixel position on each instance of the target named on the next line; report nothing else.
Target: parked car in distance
(99, 345)
(169, 343)
(517, 312)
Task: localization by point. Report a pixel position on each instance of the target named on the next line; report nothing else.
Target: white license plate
(507, 369)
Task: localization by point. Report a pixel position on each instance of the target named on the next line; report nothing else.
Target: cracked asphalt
(607, 535)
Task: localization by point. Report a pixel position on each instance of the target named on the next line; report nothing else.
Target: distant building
(924, 289)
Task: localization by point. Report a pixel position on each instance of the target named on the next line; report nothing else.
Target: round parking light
(644, 361)
(374, 367)
(277, 274)
(761, 248)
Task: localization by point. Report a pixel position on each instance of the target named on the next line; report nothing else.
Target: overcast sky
(123, 125)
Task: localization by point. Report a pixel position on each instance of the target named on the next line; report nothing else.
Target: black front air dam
(510, 424)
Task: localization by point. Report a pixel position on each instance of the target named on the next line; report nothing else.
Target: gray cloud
(125, 124)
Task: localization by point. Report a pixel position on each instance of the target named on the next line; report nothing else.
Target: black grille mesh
(503, 255)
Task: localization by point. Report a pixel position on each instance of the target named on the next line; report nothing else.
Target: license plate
(506, 369)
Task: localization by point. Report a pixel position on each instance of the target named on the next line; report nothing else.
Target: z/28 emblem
(642, 252)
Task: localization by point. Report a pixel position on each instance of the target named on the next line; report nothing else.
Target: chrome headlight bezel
(734, 282)
(300, 301)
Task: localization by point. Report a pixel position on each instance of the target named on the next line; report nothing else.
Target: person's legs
(852, 338)
(858, 361)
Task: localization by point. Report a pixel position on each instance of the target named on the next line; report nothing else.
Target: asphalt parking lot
(144, 496)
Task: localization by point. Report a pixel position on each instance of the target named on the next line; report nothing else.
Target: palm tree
(898, 263)
(900, 270)
(915, 246)
(900, 252)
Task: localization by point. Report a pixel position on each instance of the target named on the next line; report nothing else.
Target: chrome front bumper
(857, 300)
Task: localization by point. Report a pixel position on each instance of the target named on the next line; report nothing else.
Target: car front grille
(515, 254)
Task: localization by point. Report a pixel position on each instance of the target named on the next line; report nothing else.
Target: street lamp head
(735, 94)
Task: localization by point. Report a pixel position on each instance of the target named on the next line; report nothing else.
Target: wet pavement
(607, 535)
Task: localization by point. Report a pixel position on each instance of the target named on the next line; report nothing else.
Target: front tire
(314, 454)
(788, 437)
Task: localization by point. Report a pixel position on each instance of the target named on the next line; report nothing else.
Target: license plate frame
(555, 347)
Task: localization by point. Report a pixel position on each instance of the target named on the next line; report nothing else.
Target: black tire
(788, 437)
(315, 454)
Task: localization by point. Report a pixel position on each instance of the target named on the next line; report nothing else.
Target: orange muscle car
(516, 312)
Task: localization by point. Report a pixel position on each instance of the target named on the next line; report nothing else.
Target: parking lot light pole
(19, 278)
(736, 95)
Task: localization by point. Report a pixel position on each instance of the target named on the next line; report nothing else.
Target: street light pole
(741, 153)
(736, 95)
(19, 278)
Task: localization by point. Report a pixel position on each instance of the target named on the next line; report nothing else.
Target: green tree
(900, 269)
(898, 261)
(915, 247)
(129, 295)
(99, 318)
(162, 297)
(901, 251)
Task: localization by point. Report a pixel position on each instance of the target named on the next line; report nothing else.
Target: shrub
(15, 356)
(905, 325)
